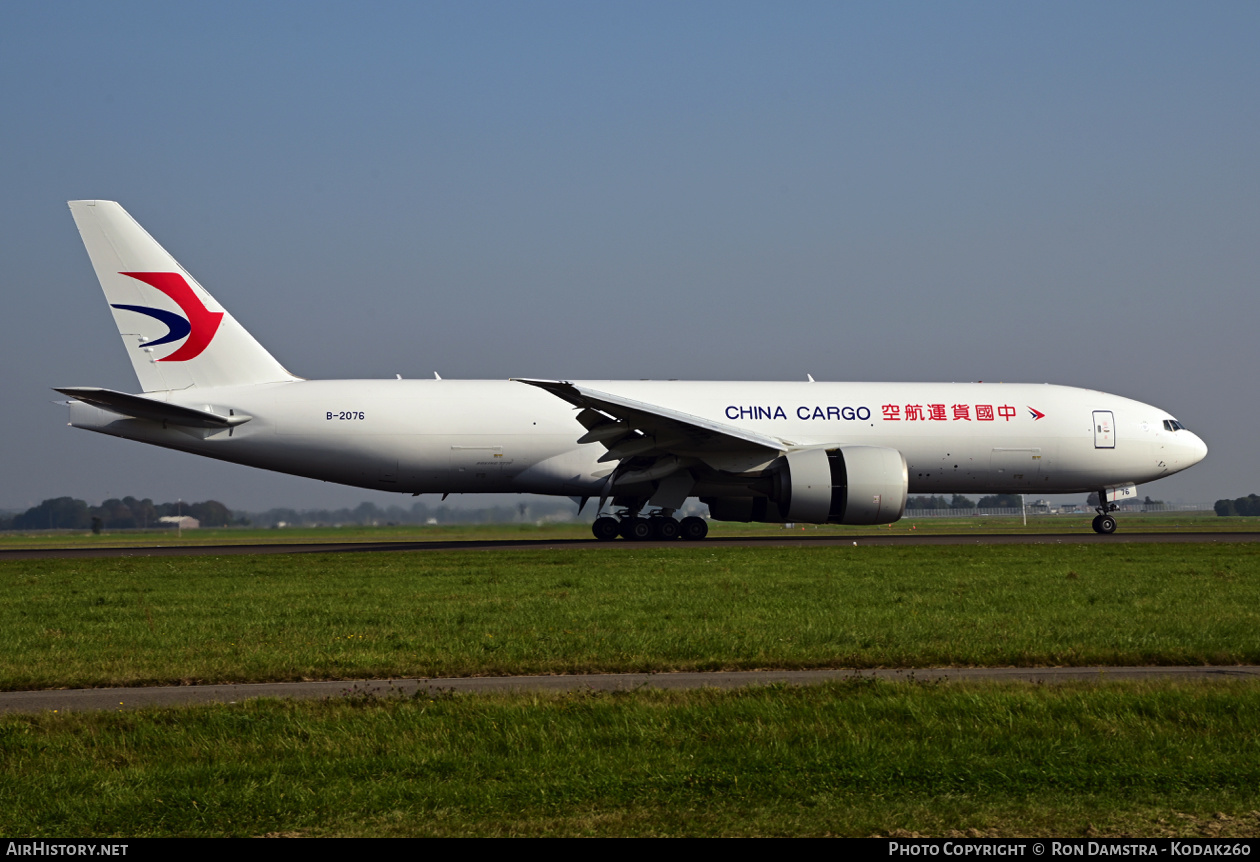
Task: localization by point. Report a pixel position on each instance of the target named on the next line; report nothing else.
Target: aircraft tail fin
(175, 333)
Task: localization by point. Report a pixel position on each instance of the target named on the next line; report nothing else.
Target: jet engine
(845, 485)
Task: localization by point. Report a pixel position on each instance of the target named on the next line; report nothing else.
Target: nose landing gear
(1104, 523)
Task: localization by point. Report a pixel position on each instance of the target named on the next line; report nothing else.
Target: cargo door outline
(1015, 468)
(1104, 430)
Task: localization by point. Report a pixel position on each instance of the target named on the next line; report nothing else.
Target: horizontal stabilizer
(140, 407)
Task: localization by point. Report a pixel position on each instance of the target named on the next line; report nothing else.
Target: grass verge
(856, 758)
(123, 621)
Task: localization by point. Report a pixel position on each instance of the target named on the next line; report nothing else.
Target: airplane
(788, 452)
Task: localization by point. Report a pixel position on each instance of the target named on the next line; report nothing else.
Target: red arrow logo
(202, 322)
(1036, 414)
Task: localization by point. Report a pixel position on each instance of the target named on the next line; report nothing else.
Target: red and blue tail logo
(198, 326)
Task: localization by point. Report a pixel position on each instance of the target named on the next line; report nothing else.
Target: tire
(694, 529)
(1106, 525)
(665, 529)
(636, 529)
(606, 529)
(1094, 524)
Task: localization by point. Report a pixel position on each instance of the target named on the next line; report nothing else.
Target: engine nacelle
(845, 485)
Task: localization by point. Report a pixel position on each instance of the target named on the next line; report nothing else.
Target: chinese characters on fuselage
(891, 412)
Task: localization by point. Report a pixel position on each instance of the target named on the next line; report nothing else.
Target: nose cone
(1196, 449)
(1186, 450)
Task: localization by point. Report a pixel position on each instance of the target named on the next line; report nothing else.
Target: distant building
(184, 522)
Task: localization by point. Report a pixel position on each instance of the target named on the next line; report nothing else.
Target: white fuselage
(479, 436)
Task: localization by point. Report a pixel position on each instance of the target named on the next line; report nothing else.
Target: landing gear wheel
(636, 529)
(1105, 524)
(606, 529)
(694, 529)
(666, 529)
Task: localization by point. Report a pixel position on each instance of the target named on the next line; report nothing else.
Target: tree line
(996, 501)
(418, 513)
(1249, 505)
(129, 513)
(68, 513)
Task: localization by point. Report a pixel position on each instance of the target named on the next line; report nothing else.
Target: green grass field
(149, 620)
(844, 759)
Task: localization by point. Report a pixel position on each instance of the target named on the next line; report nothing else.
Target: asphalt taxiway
(788, 539)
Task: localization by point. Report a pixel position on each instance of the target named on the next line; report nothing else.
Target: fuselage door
(1015, 468)
(1104, 430)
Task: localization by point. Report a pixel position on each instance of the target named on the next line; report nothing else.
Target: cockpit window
(1173, 425)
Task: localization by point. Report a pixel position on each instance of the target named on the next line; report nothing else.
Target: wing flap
(675, 432)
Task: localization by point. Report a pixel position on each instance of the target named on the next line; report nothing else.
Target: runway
(121, 699)
(787, 540)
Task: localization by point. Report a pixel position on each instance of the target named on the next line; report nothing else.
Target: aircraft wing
(631, 428)
(140, 407)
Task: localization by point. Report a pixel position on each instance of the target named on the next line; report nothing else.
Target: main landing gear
(660, 525)
(1104, 523)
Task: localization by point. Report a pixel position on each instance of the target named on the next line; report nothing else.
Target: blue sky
(1061, 192)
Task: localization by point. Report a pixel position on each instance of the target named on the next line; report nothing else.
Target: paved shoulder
(118, 699)
(784, 541)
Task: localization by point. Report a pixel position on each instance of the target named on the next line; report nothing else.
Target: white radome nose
(1196, 449)
(1185, 450)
